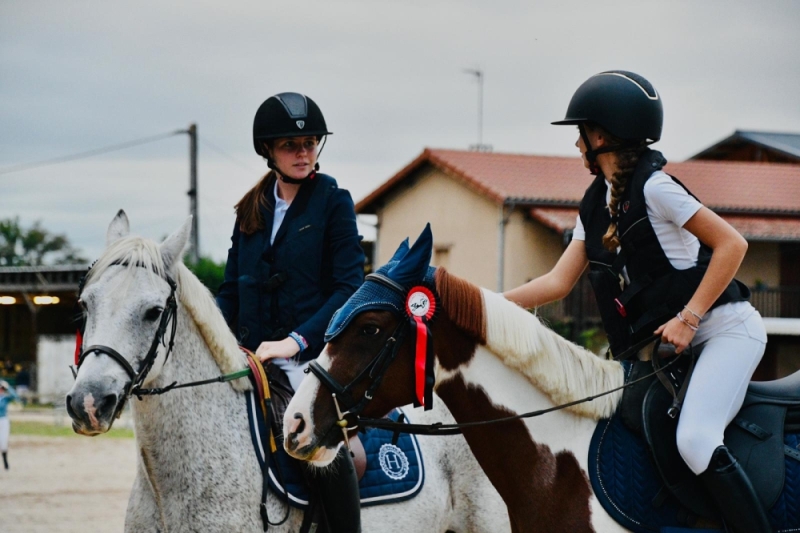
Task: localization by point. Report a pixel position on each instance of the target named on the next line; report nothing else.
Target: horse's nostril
(106, 406)
(299, 425)
(70, 410)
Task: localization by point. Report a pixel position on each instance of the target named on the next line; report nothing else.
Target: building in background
(762, 146)
(37, 324)
(500, 220)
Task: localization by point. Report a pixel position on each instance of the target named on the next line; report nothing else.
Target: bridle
(348, 409)
(134, 386)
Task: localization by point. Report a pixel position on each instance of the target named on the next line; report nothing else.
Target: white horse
(197, 470)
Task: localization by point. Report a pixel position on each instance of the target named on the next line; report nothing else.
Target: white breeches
(717, 389)
(5, 427)
(295, 371)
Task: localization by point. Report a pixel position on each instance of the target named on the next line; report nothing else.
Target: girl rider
(295, 258)
(660, 262)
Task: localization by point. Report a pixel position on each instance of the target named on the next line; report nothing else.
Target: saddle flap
(659, 431)
(755, 438)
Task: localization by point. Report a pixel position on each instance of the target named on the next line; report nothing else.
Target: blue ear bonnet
(372, 296)
(407, 268)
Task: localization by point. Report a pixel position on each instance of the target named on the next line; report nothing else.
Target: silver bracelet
(690, 326)
(698, 317)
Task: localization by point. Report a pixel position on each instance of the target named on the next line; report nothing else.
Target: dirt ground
(66, 484)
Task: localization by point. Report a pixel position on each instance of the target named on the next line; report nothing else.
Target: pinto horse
(493, 359)
(196, 466)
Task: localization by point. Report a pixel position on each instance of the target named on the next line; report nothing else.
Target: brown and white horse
(493, 359)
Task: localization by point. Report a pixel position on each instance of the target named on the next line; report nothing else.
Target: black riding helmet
(287, 115)
(623, 103)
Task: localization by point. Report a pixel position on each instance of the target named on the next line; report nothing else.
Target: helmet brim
(570, 122)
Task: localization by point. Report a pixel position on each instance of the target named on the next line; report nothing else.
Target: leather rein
(349, 410)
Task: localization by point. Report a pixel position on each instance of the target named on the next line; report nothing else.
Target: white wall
(54, 355)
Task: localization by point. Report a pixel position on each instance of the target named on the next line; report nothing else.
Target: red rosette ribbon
(421, 307)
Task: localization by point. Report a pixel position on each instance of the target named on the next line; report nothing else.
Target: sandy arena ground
(66, 484)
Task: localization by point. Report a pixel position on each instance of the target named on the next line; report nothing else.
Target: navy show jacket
(296, 284)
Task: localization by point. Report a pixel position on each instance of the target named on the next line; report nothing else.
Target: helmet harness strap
(592, 153)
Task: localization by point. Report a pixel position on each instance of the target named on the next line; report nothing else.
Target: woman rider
(661, 263)
(295, 258)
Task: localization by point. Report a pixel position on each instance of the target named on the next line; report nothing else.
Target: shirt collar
(280, 203)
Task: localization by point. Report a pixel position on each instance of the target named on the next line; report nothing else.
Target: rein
(381, 361)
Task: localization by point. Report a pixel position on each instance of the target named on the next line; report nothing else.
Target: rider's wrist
(693, 327)
(300, 340)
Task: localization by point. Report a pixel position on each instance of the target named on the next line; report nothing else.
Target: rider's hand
(277, 349)
(676, 333)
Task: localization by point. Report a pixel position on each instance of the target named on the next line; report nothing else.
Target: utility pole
(194, 252)
(480, 147)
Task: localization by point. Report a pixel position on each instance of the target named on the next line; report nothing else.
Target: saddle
(771, 410)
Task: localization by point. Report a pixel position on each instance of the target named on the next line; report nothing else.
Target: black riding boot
(5, 460)
(734, 495)
(337, 486)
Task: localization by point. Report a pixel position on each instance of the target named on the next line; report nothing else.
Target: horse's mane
(134, 252)
(561, 369)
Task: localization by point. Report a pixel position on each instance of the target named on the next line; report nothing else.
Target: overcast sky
(388, 75)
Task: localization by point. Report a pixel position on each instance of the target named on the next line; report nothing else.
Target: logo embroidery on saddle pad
(393, 461)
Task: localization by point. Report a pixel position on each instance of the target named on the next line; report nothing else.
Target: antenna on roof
(480, 147)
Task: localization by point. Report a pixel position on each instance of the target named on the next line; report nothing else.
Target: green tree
(209, 272)
(34, 246)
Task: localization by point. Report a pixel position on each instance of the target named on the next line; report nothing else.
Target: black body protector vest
(657, 291)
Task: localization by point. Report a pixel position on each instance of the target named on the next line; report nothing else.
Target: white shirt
(279, 214)
(669, 207)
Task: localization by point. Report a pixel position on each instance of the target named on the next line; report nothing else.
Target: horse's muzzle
(91, 416)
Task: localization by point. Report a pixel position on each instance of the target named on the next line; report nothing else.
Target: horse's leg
(143, 514)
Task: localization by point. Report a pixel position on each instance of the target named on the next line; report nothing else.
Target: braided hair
(627, 159)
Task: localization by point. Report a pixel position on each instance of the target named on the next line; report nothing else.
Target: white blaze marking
(88, 406)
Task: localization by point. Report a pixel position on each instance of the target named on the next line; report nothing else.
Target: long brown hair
(248, 209)
(627, 159)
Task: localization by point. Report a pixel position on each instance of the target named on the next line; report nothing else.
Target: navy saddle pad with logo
(395, 472)
(625, 480)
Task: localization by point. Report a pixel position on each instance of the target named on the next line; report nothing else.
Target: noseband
(134, 386)
(375, 370)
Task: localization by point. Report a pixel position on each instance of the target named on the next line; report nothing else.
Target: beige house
(502, 219)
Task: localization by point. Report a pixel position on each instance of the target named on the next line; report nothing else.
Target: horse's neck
(554, 445)
(180, 425)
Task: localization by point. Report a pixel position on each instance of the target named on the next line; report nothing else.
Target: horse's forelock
(131, 252)
(463, 303)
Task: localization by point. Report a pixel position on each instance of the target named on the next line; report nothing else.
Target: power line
(89, 153)
(223, 153)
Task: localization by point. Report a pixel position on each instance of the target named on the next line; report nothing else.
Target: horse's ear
(172, 247)
(414, 264)
(401, 251)
(119, 228)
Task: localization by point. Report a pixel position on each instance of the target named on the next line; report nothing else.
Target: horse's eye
(370, 330)
(153, 313)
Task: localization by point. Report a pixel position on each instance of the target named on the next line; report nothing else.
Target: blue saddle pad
(627, 484)
(395, 472)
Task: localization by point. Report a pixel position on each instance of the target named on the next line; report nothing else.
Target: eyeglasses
(297, 145)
